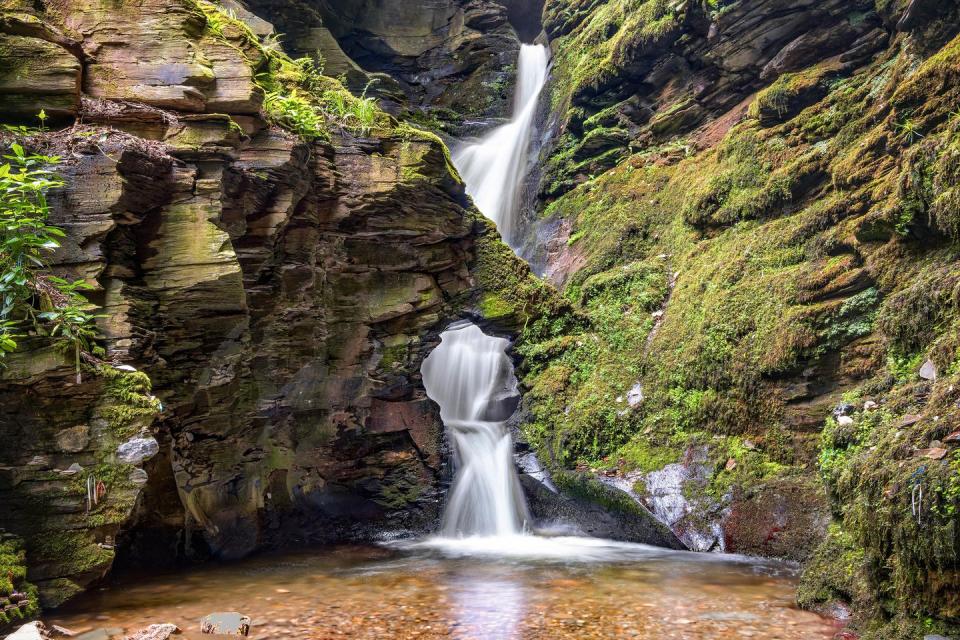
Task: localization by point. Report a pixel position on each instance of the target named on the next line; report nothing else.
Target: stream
(487, 574)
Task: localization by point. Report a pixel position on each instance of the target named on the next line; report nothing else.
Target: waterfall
(494, 167)
(470, 376)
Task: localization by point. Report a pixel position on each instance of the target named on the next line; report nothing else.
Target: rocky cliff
(271, 257)
(751, 208)
(748, 207)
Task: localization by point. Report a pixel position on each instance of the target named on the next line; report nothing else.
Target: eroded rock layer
(279, 293)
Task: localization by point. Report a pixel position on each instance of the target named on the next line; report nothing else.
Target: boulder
(30, 631)
(592, 508)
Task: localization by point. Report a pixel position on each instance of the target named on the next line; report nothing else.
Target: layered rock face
(454, 57)
(279, 294)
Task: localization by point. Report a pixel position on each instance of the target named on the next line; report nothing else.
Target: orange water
(375, 592)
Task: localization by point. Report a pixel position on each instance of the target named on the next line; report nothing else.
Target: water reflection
(487, 608)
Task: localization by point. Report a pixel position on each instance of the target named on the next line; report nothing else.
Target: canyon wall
(267, 295)
(751, 207)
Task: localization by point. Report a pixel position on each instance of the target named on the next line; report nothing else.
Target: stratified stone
(37, 75)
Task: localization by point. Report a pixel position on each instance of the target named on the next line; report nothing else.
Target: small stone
(73, 469)
(934, 453)
(869, 405)
(731, 465)
(139, 477)
(844, 421)
(155, 632)
(909, 419)
(136, 450)
(953, 439)
(928, 371)
(935, 636)
(749, 445)
(227, 623)
(843, 409)
(635, 395)
(657, 314)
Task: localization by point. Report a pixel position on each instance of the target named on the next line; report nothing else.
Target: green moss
(13, 573)
(790, 93)
(836, 573)
(510, 292)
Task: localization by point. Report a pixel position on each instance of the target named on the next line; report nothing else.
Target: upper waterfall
(494, 167)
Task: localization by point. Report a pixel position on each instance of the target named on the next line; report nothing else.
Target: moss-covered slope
(758, 210)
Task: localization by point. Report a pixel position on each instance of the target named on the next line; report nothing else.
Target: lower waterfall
(471, 378)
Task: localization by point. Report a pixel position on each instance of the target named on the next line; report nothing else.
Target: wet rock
(844, 421)
(226, 623)
(697, 522)
(30, 631)
(587, 506)
(139, 477)
(155, 632)
(785, 518)
(136, 450)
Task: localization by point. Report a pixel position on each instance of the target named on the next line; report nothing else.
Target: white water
(494, 167)
(471, 378)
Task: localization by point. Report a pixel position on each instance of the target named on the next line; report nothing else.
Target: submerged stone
(226, 623)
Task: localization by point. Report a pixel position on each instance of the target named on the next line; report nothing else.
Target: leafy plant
(909, 130)
(53, 306)
(295, 113)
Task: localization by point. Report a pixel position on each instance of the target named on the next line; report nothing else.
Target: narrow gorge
(479, 319)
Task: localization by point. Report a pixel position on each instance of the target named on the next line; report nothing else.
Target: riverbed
(525, 588)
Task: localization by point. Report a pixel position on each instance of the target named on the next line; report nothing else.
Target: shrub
(53, 306)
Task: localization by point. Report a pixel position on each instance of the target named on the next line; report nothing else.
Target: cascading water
(469, 374)
(471, 378)
(494, 167)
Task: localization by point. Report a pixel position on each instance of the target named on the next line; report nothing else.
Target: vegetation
(13, 572)
(297, 94)
(751, 282)
(33, 300)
